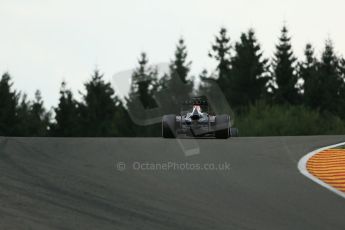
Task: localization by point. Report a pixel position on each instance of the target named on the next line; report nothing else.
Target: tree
(39, 117)
(98, 108)
(206, 83)
(140, 101)
(144, 81)
(285, 76)
(208, 87)
(342, 89)
(249, 72)
(122, 121)
(24, 125)
(67, 119)
(179, 67)
(221, 52)
(308, 72)
(177, 84)
(217, 102)
(8, 105)
(330, 80)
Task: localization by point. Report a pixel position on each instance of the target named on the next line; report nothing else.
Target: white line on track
(302, 167)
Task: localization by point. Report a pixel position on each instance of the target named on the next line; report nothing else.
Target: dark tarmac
(61, 183)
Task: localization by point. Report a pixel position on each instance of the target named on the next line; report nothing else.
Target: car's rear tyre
(169, 126)
(222, 126)
(234, 132)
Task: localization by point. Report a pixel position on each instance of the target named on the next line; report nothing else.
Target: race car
(197, 121)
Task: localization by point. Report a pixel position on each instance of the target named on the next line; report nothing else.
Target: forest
(269, 96)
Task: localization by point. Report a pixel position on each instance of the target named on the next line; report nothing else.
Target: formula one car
(196, 123)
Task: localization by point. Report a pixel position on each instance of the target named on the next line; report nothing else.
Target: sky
(43, 42)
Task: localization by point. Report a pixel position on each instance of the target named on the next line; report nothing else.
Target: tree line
(280, 95)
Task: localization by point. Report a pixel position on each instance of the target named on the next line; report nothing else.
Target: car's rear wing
(201, 100)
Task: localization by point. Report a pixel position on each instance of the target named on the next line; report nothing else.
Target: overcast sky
(43, 42)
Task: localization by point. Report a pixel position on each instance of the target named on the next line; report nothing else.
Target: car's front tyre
(169, 126)
(234, 132)
(222, 126)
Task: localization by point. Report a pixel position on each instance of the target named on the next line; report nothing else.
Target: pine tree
(122, 120)
(206, 82)
(208, 86)
(66, 115)
(39, 117)
(308, 72)
(342, 89)
(8, 104)
(179, 67)
(24, 125)
(98, 108)
(285, 76)
(141, 102)
(144, 81)
(249, 72)
(330, 80)
(177, 84)
(221, 52)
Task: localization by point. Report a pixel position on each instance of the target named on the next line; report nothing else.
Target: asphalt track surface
(74, 184)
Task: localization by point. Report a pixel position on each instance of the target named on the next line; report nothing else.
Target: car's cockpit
(196, 115)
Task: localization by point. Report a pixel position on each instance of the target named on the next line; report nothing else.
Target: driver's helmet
(196, 113)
